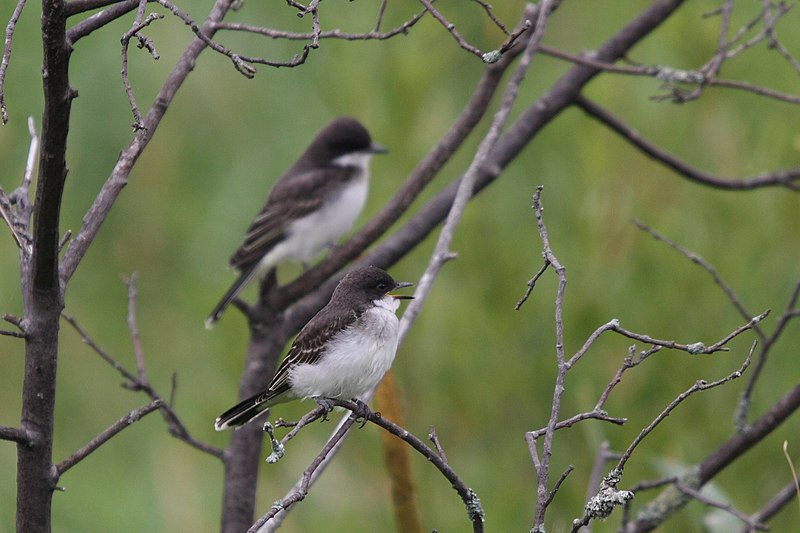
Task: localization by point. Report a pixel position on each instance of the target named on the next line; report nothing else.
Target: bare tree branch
(492, 55)
(785, 496)
(43, 297)
(105, 436)
(697, 347)
(700, 385)
(18, 435)
(15, 208)
(10, 27)
(789, 178)
(140, 382)
(705, 500)
(705, 265)
(329, 34)
(464, 191)
(105, 199)
(670, 75)
(98, 20)
(543, 466)
(468, 496)
(138, 25)
(666, 504)
(790, 312)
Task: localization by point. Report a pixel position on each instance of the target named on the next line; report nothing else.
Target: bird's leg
(326, 404)
(278, 450)
(362, 411)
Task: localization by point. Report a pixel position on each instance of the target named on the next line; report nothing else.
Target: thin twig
(784, 496)
(789, 178)
(699, 385)
(240, 62)
(696, 348)
(557, 485)
(543, 469)
(490, 12)
(379, 18)
(15, 209)
(133, 327)
(133, 382)
(531, 285)
(705, 265)
(434, 438)
(138, 25)
(792, 469)
(329, 34)
(8, 333)
(697, 495)
(105, 436)
(436, 458)
(10, 27)
(308, 476)
(450, 27)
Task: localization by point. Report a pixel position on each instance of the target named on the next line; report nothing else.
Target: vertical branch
(543, 468)
(42, 292)
(12, 24)
(242, 454)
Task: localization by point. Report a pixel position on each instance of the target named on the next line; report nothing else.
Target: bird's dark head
(371, 282)
(343, 136)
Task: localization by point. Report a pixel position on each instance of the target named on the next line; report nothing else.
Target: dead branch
(105, 436)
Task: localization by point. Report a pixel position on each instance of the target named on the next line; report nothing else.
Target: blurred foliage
(479, 371)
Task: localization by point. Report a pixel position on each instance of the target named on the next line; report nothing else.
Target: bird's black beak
(376, 148)
(400, 285)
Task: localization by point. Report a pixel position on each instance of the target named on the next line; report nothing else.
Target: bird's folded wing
(310, 345)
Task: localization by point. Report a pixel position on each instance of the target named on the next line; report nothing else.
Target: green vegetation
(477, 370)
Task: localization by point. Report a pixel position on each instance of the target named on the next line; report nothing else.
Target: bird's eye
(381, 286)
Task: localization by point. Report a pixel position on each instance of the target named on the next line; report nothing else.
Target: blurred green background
(477, 370)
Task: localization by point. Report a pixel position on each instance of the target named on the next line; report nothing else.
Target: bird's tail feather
(242, 413)
(226, 300)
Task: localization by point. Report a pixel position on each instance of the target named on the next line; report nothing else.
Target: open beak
(400, 285)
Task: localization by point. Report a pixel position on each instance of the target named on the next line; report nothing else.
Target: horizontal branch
(789, 178)
(18, 435)
(330, 34)
(17, 334)
(75, 7)
(670, 75)
(696, 348)
(98, 20)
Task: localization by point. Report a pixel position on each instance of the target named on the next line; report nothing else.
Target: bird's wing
(292, 198)
(309, 346)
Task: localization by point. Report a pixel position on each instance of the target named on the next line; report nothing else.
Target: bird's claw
(362, 411)
(326, 404)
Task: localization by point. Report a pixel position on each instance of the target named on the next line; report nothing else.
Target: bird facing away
(309, 208)
(343, 352)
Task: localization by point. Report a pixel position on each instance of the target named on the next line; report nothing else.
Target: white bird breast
(355, 360)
